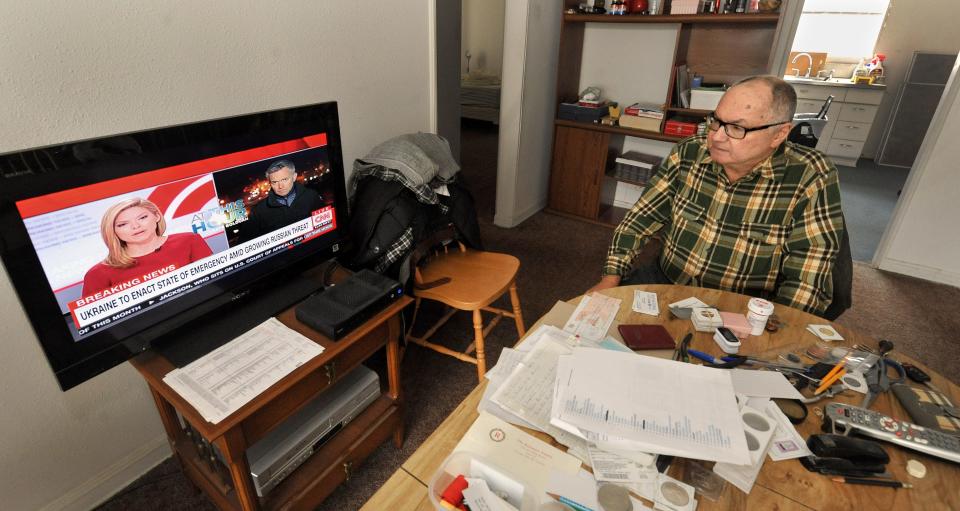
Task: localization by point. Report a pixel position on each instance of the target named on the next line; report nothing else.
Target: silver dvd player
(285, 448)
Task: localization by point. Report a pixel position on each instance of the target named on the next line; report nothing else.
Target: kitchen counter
(833, 82)
(849, 116)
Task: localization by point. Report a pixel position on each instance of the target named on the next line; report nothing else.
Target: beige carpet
(922, 318)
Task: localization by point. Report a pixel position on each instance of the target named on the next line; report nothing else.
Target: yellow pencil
(835, 374)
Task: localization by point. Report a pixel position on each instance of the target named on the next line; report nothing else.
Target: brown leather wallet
(646, 337)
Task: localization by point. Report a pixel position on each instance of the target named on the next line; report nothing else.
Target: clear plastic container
(500, 480)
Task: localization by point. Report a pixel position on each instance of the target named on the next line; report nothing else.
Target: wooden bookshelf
(618, 130)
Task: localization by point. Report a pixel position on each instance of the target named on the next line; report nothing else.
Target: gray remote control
(846, 418)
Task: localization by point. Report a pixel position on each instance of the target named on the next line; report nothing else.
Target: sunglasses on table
(735, 131)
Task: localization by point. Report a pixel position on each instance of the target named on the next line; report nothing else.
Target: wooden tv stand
(228, 483)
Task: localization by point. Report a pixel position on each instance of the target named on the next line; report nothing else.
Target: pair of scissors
(877, 378)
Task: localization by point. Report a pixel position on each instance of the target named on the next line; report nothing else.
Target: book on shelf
(640, 122)
(644, 110)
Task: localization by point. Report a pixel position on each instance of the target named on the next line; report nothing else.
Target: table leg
(233, 446)
(168, 416)
(393, 372)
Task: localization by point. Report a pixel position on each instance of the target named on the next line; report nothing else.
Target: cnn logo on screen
(322, 217)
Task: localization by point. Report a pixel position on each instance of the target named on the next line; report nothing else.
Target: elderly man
(287, 202)
(742, 209)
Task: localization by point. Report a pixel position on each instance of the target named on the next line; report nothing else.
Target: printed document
(667, 407)
(225, 379)
(593, 317)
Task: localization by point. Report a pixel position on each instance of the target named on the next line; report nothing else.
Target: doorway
(481, 61)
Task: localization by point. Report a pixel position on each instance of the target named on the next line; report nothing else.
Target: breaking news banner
(109, 305)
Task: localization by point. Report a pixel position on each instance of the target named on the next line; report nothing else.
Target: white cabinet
(850, 117)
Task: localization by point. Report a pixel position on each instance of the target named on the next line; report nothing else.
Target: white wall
(929, 26)
(531, 39)
(482, 36)
(922, 239)
(85, 68)
(623, 73)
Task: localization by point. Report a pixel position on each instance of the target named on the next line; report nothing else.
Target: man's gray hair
(784, 103)
(280, 165)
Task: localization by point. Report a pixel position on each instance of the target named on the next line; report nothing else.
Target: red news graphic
(324, 220)
(114, 249)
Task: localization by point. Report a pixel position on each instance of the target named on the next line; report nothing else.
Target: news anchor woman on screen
(137, 248)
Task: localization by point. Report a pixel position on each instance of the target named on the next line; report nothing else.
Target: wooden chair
(466, 280)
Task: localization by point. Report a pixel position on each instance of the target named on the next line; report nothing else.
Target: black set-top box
(580, 113)
(341, 308)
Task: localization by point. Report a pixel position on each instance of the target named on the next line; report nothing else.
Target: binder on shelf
(681, 86)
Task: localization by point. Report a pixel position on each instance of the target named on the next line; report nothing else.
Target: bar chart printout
(667, 407)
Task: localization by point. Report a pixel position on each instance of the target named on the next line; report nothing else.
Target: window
(846, 30)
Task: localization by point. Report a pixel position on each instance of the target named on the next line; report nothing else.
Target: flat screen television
(170, 237)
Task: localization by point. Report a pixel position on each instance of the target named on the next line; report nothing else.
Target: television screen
(116, 243)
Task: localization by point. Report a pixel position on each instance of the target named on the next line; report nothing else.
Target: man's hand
(606, 282)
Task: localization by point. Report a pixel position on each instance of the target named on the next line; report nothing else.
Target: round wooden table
(781, 485)
(940, 489)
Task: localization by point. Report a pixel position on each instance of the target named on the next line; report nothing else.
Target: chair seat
(477, 278)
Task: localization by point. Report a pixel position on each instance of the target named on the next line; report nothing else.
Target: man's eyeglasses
(736, 131)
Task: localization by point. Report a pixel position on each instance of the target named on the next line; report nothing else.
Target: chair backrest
(432, 245)
(842, 279)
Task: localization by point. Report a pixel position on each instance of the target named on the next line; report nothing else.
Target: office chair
(464, 280)
(842, 279)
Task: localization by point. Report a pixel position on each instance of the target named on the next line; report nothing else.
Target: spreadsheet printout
(225, 379)
(673, 407)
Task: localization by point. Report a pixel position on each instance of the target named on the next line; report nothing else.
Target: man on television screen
(287, 202)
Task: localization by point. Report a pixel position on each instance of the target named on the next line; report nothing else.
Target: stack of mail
(706, 319)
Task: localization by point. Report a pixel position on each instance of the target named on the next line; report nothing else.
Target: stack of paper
(520, 388)
(527, 392)
(225, 379)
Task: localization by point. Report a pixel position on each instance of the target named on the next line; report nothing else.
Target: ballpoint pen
(706, 357)
(871, 482)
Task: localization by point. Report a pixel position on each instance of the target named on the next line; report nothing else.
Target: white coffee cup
(758, 312)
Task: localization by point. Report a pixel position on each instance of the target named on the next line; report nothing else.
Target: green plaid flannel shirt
(775, 232)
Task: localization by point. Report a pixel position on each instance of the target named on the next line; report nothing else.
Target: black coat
(269, 214)
(382, 210)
